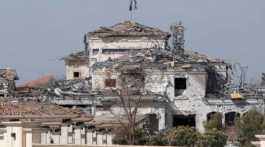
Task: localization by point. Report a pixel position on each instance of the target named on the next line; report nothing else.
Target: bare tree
(129, 94)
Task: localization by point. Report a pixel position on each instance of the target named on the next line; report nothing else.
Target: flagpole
(132, 7)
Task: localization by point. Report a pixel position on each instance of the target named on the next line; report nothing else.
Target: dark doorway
(152, 122)
(230, 118)
(184, 120)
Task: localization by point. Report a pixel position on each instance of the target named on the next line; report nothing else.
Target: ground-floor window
(184, 120)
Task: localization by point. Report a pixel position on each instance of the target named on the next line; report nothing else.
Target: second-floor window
(76, 74)
(180, 84)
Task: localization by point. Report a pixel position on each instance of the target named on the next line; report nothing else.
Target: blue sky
(35, 34)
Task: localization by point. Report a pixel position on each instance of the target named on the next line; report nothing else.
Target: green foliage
(158, 140)
(215, 122)
(250, 124)
(182, 136)
(141, 138)
(213, 138)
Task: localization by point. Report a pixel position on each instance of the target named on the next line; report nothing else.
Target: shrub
(213, 138)
(182, 136)
(250, 124)
(215, 122)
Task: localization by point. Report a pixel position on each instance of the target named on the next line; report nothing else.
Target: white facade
(15, 135)
(82, 70)
(76, 135)
(124, 38)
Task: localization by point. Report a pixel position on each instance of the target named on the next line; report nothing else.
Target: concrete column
(99, 139)
(70, 135)
(29, 139)
(109, 138)
(223, 119)
(200, 119)
(89, 137)
(162, 120)
(83, 136)
(18, 141)
(94, 137)
(77, 136)
(43, 138)
(64, 135)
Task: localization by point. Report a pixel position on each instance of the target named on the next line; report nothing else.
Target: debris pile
(32, 110)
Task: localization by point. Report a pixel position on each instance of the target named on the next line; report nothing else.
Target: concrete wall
(161, 82)
(159, 109)
(14, 135)
(83, 69)
(120, 43)
(126, 43)
(99, 77)
(75, 135)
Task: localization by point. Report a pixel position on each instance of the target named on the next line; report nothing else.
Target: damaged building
(177, 86)
(107, 43)
(123, 67)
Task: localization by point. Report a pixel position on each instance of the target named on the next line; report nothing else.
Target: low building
(23, 123)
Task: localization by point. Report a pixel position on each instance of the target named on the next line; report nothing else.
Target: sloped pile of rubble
(33, 109)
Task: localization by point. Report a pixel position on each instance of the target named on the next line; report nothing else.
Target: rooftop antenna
(132, 7)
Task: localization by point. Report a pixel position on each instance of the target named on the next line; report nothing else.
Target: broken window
(180, 84)
(76, 74)
(110, 82)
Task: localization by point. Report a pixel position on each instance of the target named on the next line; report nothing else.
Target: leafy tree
(250, 124)
(215, 122)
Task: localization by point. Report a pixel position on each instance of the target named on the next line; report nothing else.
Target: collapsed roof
(129, 28)
(160, 59)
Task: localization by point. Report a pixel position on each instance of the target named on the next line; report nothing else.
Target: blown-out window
(180, 84)
(76, 74)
